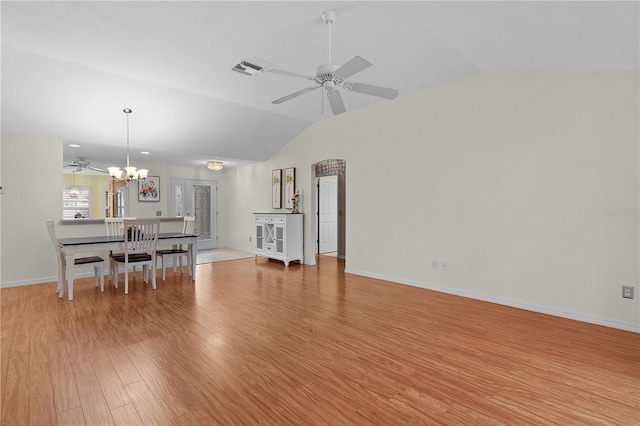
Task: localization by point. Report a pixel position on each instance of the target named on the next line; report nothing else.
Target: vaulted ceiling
(69, 68)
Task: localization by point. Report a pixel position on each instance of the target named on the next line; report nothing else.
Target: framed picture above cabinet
(276, 189)
(289, 186)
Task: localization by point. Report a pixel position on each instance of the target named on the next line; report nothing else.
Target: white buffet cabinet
(278, 236)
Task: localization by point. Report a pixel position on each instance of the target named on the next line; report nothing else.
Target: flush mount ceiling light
(131, 174)
(214, 165)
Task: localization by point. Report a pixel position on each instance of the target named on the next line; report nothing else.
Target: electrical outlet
(627, 292)
(445, 265)
(434, 264)
(249, 238)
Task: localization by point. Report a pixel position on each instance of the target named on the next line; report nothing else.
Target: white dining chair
(140, 245)
(177, 253)
(114, 226)
(96, 261)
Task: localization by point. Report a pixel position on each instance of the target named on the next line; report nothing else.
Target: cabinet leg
(286, 263)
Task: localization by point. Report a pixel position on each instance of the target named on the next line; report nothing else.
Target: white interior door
(328, 214)
(199, 198)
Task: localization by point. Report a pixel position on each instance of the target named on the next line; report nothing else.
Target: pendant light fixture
(130, 173)
(74, 191)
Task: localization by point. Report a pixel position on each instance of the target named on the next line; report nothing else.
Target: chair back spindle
(115, 225)
(141, 236)
(189, 225)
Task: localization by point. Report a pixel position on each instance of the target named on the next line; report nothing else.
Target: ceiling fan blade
(355, 65)
(290, 74)
(368, 89)
(294, 95)
(335, 101)
(98, 170)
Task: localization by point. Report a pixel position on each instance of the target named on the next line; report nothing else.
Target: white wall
(508, 177)
(32, 188)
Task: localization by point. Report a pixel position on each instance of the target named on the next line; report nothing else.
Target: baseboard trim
(45, 280)
(506, 302)
(54, 279)
(237, 249)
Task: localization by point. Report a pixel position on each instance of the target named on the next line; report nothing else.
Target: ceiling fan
(327, 76)
(83, 163)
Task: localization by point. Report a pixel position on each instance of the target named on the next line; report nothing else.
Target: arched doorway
(329, 181)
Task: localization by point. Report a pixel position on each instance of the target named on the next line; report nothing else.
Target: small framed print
(276, 189)
(149, 189)
(289, 187)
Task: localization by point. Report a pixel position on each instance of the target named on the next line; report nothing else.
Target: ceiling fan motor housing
(325, 73)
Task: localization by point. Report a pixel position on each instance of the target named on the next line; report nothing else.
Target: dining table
(72, 246)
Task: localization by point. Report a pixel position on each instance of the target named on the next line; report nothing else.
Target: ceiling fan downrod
(328, 17)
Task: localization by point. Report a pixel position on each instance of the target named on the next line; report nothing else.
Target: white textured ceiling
(69, 68)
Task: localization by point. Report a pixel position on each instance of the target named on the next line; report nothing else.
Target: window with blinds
(72, 206)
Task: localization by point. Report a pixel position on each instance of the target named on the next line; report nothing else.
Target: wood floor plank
(92, 401)
(42, 410)
(127, 373)
(146, 405)
(112, 388)
(38, 350)
(188, 419)
(73, 417)
(253, 342)
(126, 415)
(15, 404)
(65, 392)
(6, 336)
(172, 398)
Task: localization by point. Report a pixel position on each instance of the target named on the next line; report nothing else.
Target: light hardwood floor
(253, 342)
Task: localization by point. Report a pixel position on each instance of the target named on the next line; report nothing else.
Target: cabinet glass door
(259, 237)
(279, 239)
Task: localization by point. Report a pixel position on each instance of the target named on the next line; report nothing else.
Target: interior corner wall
(29, 199)
(525, 183)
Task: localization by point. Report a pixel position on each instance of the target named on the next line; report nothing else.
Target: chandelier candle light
(131, 173)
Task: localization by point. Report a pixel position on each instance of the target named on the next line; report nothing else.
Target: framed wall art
(289, 187)
(149, 189)
(276, 189)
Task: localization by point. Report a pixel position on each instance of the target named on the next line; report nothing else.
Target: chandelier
(74, 191)
(130, 173)
(214, 165)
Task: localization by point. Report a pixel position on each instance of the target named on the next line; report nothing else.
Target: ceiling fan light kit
(328, 76)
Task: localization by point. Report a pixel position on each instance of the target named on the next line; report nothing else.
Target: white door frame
(327, 214)
(186, 208)
(342, 198)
